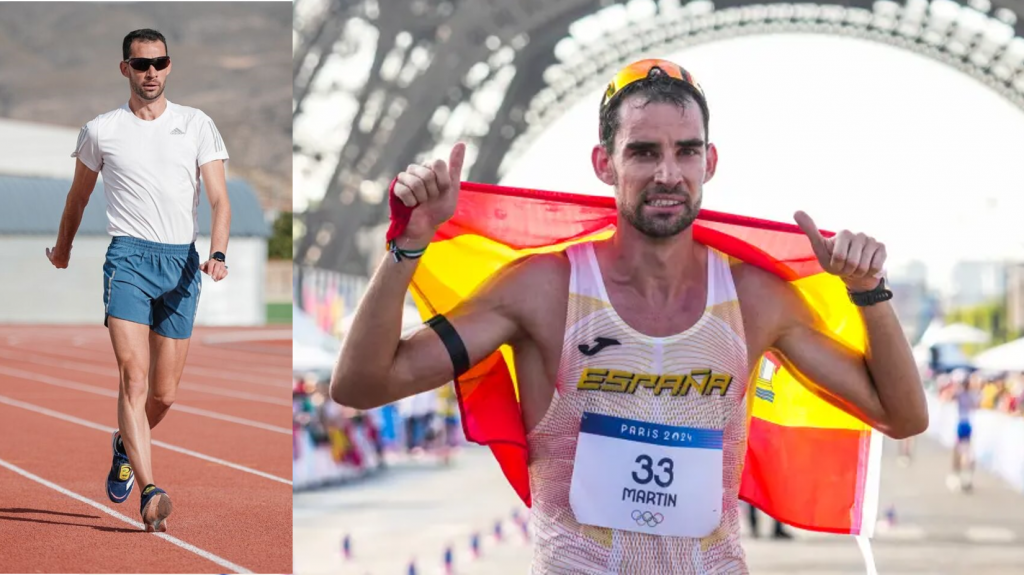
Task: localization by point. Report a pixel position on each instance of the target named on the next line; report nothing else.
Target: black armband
(452, 342)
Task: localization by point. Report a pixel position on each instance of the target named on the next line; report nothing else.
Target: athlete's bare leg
(166, 364)
(131, 347)
(966, 467)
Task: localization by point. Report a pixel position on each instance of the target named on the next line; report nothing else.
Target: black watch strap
(219, 256)
(867, 298)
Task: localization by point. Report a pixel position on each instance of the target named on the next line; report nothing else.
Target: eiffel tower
(400, 70)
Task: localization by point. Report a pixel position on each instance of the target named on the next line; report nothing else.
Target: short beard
(141, 92)
(661, 226)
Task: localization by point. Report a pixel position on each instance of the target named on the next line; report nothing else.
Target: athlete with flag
(638, 332)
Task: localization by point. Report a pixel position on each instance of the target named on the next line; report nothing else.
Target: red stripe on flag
(777, 476)
(491, 417)
(524, 218)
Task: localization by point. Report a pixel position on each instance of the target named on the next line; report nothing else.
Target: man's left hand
(217, 270)
(857, 259)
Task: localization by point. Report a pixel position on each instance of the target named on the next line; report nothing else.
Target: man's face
(148, 85)
(659, 165)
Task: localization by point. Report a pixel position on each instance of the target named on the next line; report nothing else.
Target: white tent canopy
(306, 332)
(410, 320)
(310, 358)
(957, 333)
(1006, 357)
(312, 349)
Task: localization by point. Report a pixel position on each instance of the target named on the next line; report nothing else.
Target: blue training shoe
(121, 478)
(154, 508)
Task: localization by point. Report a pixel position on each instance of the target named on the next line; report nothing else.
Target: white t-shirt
(151, 169)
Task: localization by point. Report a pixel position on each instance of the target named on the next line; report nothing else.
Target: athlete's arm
(220, 207)
(376, 365)
(882, 387)
(78, 197)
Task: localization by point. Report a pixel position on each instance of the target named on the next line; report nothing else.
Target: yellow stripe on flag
(793, 404)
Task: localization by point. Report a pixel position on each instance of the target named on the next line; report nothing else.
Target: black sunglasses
(143, 64)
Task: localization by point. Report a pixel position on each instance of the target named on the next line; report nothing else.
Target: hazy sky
(860, 135)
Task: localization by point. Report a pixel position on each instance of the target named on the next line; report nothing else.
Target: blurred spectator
(418, 411)
(332, 442)
(351, 437)
(450, 412)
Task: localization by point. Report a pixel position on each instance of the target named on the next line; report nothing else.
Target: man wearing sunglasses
(650, 304)
(152, 154)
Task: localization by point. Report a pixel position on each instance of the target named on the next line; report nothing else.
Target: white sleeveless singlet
(716, 343)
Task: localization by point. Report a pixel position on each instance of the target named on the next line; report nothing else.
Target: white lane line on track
(250, 375)
(112, 373)
(67, 384)
(246, 336)
(169, 538)
(85, 423)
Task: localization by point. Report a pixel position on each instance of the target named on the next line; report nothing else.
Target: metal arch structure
(437, 59)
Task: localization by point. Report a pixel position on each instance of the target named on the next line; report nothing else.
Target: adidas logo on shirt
(177, 132)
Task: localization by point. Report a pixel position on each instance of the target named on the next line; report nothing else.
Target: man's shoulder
(542, 268)
(532, 289)
(764, 294)
(106, 118)
(754, 282)
(531, 281)
(188, 113)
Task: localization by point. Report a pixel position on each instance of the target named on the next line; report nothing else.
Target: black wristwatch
(871, 297)
(219, 256)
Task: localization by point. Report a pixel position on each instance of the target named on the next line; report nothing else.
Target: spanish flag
(808, 463)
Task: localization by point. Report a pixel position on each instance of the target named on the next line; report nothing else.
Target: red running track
(223, 453)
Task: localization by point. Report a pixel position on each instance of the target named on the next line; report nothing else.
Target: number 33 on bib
(646, 477)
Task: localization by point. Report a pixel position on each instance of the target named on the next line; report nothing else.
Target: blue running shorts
(153, 284)
(963, 430)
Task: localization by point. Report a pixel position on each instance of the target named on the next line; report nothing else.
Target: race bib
(647, 477)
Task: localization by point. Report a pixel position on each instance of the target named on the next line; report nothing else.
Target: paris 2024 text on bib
(647, 477)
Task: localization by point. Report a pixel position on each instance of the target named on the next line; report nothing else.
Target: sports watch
(219, 256)
(871, 297)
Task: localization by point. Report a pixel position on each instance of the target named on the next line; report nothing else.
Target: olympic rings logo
(651, 519)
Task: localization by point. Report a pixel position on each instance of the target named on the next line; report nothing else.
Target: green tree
(990, 316)
(280, 245)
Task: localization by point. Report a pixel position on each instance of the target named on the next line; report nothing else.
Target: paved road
(414, 510)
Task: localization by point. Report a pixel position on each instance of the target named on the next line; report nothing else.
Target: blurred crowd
(362, 441)
(1003, 392)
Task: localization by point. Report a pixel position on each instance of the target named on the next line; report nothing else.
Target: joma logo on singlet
(704, 381)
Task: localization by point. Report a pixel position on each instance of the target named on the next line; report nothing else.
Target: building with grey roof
(33, 291)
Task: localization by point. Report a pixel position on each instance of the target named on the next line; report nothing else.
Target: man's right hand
(432, 190)
(59, 258)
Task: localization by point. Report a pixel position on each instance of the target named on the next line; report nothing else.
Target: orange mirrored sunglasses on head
(646, 69)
